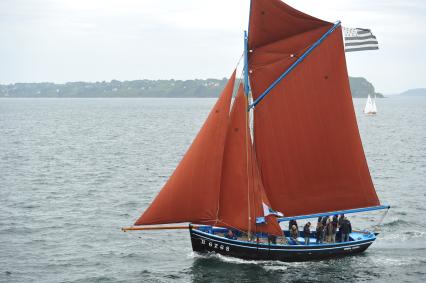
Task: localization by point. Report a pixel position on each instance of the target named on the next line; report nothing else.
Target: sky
(100, 40)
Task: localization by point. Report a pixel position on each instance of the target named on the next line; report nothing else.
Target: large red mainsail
(273, 20)
(191, 194)
(241, 191)
(306, 137)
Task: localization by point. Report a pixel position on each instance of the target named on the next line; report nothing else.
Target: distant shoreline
(208, 88)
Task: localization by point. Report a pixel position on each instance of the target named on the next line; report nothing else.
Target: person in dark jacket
(339, 224)
(320, 233)
(307, 233)
(334, 231)
(346, 229)
(341, 218)
(324, 224)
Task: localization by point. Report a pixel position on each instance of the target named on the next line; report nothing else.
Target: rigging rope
(377, 228)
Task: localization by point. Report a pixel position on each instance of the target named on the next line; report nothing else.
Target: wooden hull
(204, 242)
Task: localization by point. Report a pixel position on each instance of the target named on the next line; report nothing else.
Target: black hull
(204, 242)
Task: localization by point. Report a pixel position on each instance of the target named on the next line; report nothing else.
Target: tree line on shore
(144, 88)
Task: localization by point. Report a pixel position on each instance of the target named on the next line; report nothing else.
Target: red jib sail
(191, 194)
(241, 192)
(306, 137)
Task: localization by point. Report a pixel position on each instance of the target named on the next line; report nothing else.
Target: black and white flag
(358, 39)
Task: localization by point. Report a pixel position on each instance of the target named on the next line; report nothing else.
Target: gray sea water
(74, 171)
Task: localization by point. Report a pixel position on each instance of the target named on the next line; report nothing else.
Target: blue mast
(246, 79)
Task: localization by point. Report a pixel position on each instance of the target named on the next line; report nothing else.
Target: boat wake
(396, 230)
(268, 265)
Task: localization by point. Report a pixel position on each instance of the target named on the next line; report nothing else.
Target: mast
(246, 76)
(241, 191)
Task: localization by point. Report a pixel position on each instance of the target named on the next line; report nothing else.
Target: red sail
(191, 194)
(241, 192)
(306, 137)
(273, 20)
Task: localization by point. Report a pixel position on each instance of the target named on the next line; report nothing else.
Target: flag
(269, 211)
(358, 39)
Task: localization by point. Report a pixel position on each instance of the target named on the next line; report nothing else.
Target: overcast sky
(96, 40)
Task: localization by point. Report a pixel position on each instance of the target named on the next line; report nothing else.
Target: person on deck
(272, 239)
(334, 222)
(291, 223)
(320, 233)
(346, 229)
(294, 234)
(335, 218)
(339, 224)
(230, 234)
(329, 231)
(307, 233)
(324, 225)
(341, 218)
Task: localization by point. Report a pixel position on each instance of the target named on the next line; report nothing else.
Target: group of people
(326, 230)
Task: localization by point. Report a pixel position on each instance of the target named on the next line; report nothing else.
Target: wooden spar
(125, 229)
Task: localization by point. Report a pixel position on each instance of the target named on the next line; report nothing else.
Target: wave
(395, 223)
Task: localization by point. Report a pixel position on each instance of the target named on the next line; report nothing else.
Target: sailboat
(370, 106)
(260, 161)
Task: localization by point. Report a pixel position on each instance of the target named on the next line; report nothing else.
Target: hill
(143, 88)
(415, 92)
(360, 87)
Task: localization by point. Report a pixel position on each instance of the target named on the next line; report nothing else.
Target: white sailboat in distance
(370, 107)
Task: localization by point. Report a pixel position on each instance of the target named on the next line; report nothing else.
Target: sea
(74, 171)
